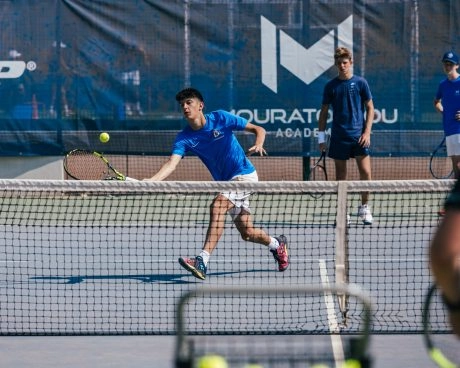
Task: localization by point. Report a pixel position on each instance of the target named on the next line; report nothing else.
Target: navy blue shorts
(344, 149)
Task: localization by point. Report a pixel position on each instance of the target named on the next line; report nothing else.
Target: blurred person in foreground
(353, 113)
(447, 102)
(445, 257)
(210, 136)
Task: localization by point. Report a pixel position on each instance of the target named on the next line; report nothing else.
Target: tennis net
(101, 257)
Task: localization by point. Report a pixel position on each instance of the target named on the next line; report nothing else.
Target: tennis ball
(104, 137)
(212, 361)
(351, 363)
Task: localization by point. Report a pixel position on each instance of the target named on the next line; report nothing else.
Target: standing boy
(447, 102)
(353, 112)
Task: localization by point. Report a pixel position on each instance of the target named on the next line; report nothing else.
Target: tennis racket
(90, 165)
(440, 164)
(444, 349)
(318, 171)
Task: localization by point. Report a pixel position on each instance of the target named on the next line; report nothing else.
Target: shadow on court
(161, 278)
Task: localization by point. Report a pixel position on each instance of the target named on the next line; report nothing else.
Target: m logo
(307, 64)
(11, 69)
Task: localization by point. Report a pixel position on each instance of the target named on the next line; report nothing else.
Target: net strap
(388, 186)
(341, 242)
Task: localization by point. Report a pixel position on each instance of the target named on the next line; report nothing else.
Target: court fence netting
(395, 154)
(100, 257)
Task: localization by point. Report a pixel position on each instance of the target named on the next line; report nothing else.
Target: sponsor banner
(117, 65)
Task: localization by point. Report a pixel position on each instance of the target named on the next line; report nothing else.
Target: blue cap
(451, 57)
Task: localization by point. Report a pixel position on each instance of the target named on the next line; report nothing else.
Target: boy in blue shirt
(353, 113)
(447, 102)
(210, 136)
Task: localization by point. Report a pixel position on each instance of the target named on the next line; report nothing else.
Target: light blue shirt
(216, 145)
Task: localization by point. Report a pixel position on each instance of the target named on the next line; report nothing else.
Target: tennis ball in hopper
(212, 361)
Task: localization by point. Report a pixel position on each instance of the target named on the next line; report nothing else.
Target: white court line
(336, 340)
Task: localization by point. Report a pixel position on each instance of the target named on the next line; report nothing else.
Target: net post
(341, 244)
(306, 167)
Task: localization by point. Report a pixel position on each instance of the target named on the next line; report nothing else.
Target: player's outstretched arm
(167, 168)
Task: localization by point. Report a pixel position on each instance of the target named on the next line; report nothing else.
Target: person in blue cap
(447, 102)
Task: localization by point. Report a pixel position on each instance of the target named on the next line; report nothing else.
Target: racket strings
(440, 163)
(86, 166)
(318, 171)
(441, 167)
(318, 174)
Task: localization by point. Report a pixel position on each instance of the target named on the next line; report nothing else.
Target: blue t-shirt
(216, 145)
(449, 94)
(347, 98)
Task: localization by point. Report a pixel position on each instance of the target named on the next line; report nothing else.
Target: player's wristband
(321, 137)
(451, 307)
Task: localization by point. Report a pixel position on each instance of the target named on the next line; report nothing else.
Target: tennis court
(396, 351)
(100, 258)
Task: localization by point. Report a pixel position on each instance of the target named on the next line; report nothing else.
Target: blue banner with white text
(72, 67)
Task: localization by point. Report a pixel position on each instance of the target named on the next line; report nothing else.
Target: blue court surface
(118, 275)
(389, 351)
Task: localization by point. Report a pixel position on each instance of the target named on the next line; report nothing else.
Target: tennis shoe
(281, 253)
(364, 213)
(195, 265)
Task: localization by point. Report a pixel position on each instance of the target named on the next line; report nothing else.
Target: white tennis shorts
(453, 145)
(240, 199)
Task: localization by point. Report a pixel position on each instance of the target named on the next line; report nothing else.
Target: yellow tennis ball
(212, 361)
(352, 363)
(104, 137)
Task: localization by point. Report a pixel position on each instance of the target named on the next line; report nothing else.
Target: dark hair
(189, 93)
(342, 52)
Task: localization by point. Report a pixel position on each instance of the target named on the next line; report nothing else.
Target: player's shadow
(160, 278)
(77, 279)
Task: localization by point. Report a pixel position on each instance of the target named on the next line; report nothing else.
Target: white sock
(273, 243)
(205, 255)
